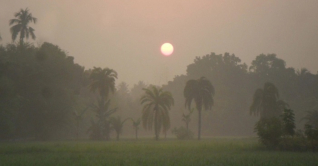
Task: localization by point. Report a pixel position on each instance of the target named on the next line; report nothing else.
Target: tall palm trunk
(156, 125)
(199, 126)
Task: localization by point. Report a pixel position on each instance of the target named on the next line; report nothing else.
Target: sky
(126, 35)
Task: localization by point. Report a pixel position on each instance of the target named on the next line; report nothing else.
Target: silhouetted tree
(21, 21)
(266, 102)
(103, 80)
(117, 125)
(186, 118)
(288, 118)
(156, 103)
(103, 112)
(202, 92)
(136, 126)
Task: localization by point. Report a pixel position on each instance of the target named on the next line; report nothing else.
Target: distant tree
(78, 118)
(103, 113)
(117, 124)
(21, 25)
(137, 90)
(266, 102)
(288, 119)
(312, 118)
(267, 64)
(156, 104)
(186, 118)
(136, 126)
(103, 81)
(311, 128)
(202, 92)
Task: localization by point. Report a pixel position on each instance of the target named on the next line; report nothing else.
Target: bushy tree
(288, 119)
(269, 131)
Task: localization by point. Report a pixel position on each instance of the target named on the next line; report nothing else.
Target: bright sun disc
(167, 49)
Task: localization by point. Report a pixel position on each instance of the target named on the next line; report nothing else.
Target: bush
(269, 131)
(312, 136)
(182, 133)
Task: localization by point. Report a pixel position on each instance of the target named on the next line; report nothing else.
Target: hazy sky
(126, 35)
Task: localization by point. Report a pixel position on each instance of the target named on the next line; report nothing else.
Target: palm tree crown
(266, 102)
(103, 81)
(157, 103)
(202, 92)
(21, 21)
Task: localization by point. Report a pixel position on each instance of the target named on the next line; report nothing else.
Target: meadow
(212, 152)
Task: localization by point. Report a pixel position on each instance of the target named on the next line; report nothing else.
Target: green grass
(215, 151)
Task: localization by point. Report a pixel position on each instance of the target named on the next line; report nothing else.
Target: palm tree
(136, 126)
(202, 92)
(103, 81)
(103, 113)
(21, 21)
(266, 102)
(117, 125)
(156, 103)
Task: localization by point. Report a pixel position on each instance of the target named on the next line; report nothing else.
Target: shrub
(312, 136)
(269, 131)
(182, 133)
(288, 119)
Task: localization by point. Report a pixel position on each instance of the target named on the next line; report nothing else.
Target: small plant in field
(269, 131)
(182, 133)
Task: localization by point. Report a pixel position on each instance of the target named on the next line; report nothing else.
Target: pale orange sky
(126, 35)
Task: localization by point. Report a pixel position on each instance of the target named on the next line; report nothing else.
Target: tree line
(45, 95)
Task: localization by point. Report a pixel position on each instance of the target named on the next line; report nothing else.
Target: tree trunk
(187, 125)
(156, 126)
(199, 126)
(136, 133)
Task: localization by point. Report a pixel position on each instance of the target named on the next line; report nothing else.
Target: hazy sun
(167, 49)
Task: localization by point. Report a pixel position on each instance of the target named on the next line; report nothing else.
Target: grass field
(212, 152)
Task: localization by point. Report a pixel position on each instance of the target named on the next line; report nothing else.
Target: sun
(166, 49)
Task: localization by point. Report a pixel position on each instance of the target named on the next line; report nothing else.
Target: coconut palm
(117, 125)
(156, 103)
(202, 92)
(103, 81)
(266, 102)
(21, 25)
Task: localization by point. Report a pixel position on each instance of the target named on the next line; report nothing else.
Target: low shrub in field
(269, 131)
(293, 144)
(312, 136)
(182, 133)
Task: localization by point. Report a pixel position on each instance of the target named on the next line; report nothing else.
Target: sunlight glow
(167, 49)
